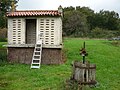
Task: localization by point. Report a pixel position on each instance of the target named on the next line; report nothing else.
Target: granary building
(26, 28)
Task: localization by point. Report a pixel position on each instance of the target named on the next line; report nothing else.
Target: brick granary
(26, 28)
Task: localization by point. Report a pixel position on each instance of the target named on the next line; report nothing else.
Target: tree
(88, 13)
(85, 10)
(5, 6)
(69, 8)
(82, 21)
(74, 24)
(106, 20)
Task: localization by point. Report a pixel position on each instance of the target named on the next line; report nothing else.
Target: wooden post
(84, 55)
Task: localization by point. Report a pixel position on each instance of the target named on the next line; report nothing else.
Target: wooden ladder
(36, 60)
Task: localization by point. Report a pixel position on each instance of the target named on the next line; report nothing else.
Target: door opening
(30, 31)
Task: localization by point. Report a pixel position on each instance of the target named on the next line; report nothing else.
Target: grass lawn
(2, 43)
(52, 77)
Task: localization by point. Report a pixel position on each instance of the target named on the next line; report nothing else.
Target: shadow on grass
(3, 57)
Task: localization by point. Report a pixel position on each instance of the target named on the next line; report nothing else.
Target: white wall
(49, 29)
(16, 31)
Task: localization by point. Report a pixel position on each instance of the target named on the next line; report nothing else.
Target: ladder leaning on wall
(36, 59)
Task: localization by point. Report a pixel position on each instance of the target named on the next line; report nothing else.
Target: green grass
(52, 77)
(1, 44)
(3, 53)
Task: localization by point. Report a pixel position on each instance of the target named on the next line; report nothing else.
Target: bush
(115, 43)
(102, 33)
(3, 35)
(3, 55)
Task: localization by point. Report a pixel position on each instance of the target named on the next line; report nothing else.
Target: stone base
(24, 55)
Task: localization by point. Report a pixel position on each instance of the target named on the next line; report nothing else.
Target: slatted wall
(49, 31)
(16, 31)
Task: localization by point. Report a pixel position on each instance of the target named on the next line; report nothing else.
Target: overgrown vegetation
(3, 56)
(2, 45)
(102, 33)
(5, 6)
(3, 53)
(115, 43)
(53, 77)
(3, 35)
(84, 22)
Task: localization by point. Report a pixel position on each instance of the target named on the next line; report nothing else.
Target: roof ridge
(33, 10)
(34, 13)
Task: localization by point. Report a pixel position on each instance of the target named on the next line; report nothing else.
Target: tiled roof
(34, 13)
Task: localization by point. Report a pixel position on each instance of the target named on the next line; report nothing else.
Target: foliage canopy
(84, 22)
(5, 6)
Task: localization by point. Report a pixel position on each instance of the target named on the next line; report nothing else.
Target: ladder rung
(37, 55)
(38, 47)
(35, 63)
(36, 59)
(35, 66)
(37, 51)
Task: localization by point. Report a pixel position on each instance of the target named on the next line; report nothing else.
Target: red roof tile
(34, 13)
